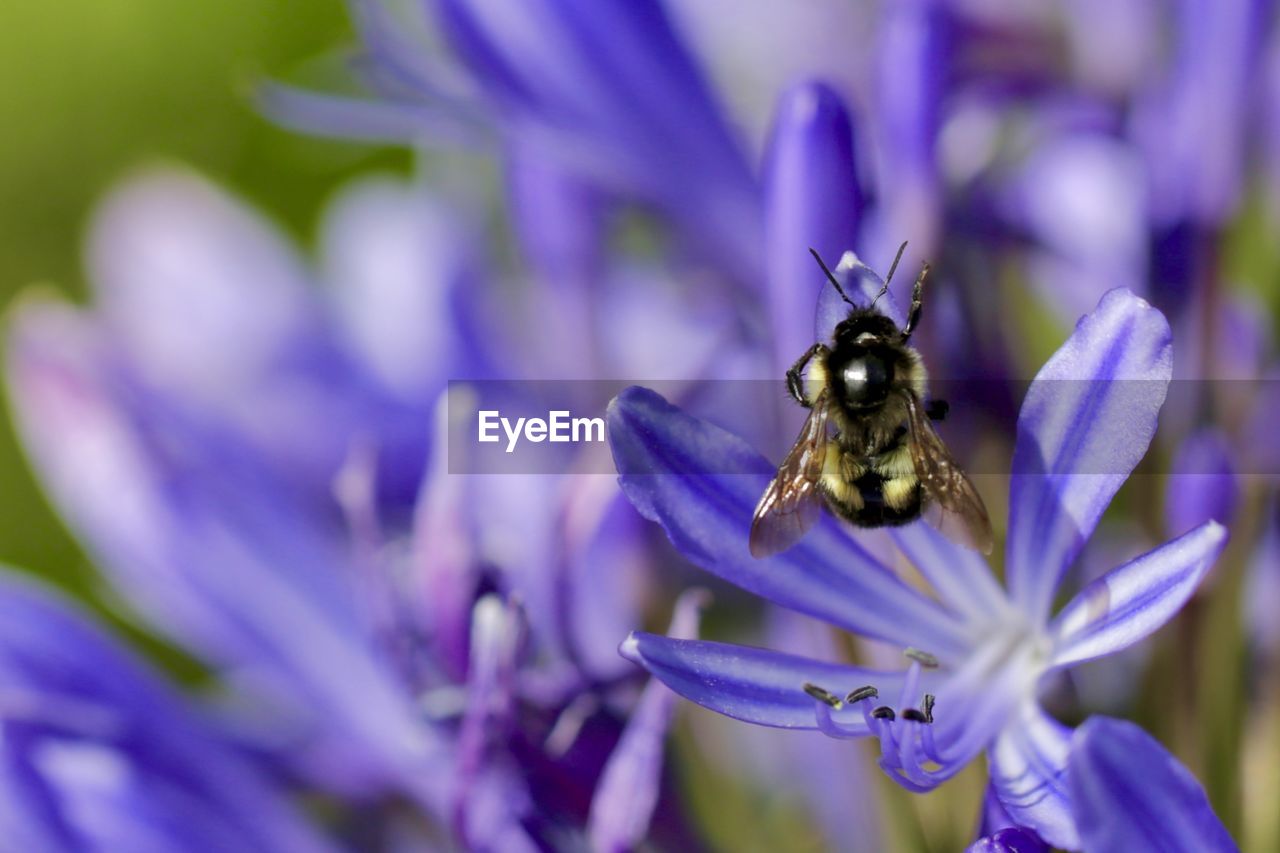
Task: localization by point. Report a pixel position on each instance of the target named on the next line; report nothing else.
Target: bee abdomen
(875, 491)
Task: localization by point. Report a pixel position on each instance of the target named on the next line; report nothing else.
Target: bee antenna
(892, 269)
(831, 277)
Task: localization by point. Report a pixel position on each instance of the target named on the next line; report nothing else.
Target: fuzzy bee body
(867, 450)
(868, 476)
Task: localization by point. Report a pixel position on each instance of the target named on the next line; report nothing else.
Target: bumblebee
(868, 449)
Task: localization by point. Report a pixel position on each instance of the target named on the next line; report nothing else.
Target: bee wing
(952, 504)
(792, 503)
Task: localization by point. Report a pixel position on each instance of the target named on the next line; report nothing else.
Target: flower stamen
(823, 695)
(867, 692)
(923, 658)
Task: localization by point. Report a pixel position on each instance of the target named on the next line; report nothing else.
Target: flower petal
(813, 199)
(346, 117)
(1085, 423)
(97, 749)
(214, 308)
(498, 628)
(913, 51)
(627, 793)
(840, 794)
(997, 832)
(561, 222)
(1261, 590)
(398, 264)
(610, 90)
(605, 573)
(184, 519)
(702, 484)
(1081, 197)
(1131, 794)
(1028, 774)
(446, 568)
(1202, 485)
(960, 575)
(1191, 125)
(1015, 839)
(749, 684)
(862, 285)
(182, 271)
(1128, 603)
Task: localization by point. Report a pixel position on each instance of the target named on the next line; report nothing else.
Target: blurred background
(1025, 194)
(96, 91)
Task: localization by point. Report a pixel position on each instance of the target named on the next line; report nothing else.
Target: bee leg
(936, 410)
(795, 382)
(917, 301)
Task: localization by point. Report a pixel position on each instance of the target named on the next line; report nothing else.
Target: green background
(93, 90)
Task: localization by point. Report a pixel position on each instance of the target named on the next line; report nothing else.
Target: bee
(868, 449)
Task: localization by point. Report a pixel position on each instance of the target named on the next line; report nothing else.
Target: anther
(915, 715)
(928, 707)
(822, 695)
(861, 693)
(925, 659)
(884, 712)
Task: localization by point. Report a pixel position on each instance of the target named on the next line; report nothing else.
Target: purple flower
(1131, 794)
(1202, 484)
(814, 199)
(256, 453)
(604, 90)
(1085, 423)
(99, 753)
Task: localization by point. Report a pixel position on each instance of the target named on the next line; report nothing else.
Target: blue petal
(346, 117)
(1028, 774)
(1205, 91)
(862, 285)
(1080, 195)
(1014, 839)
(753, 685)
(627, 793)
(497, 636)
(608, 89)
(98, 749)
(559, 219)
(840, 793)
(1261, 590)
(1202, 486)
(1131, 794)
(998, 833)
(398, 263)
(959, 575)
(913, 52)
(813, 199)
(446, 567)
(1128, 603)
(605, 575)
(1085, 423)
(216, 309)
(184, 519)
(702, 484)
(561, 222)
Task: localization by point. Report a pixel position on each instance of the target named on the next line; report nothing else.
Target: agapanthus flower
(101, 754)
(977, 651)
(256, 453)
(605, 90)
